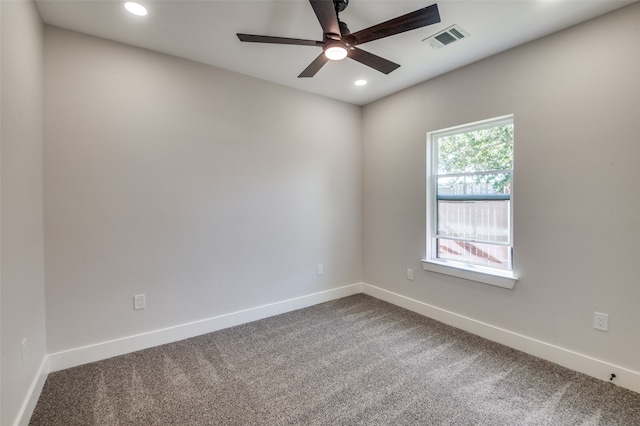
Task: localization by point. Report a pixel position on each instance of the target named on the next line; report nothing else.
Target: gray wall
(22, 293)
(576, 100)
(208, 191)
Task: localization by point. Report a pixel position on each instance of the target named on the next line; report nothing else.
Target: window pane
(488, 255)
(480, 184)
(486, 221)
(475, 151)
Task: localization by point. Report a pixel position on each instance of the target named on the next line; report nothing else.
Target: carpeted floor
(352, 361)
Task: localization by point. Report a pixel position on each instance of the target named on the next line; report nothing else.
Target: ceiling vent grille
(446, 37)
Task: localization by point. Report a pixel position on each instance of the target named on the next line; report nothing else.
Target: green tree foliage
(479, 151)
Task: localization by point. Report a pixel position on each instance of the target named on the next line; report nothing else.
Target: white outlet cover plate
(24, 350)
(139, 301)
(600, 321)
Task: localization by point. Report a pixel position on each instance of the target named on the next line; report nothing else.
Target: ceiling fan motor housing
(344, 30)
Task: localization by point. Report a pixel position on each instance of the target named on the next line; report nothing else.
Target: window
(469, 201)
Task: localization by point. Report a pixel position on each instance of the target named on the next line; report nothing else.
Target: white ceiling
(205, 31)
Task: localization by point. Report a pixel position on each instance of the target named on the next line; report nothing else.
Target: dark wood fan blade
(326, 13)
(376, 62)
(277, 40)
(411, 21)
(314, 67)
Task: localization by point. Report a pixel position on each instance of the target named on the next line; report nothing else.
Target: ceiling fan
(338, 42)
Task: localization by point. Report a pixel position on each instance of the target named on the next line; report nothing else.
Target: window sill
(504, 279)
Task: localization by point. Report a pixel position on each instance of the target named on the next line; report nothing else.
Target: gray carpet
(356, 360)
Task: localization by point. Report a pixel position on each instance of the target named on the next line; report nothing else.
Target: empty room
(319, 212)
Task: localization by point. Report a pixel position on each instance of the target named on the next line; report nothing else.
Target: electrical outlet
(139, 301)
(410, 274)
(24, 350)
(320, 269)
(600, 321)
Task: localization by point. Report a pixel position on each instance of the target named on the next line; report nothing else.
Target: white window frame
(486, 275)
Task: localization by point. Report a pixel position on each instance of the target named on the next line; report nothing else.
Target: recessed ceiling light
(360, 82)
(136, 8)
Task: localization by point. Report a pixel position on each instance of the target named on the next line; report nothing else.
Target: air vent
(446, 37)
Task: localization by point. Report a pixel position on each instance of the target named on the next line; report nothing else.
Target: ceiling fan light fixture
(335, 52)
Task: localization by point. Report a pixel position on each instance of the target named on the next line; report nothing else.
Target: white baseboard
(99, 351)
(575, 361)
(29, 404)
